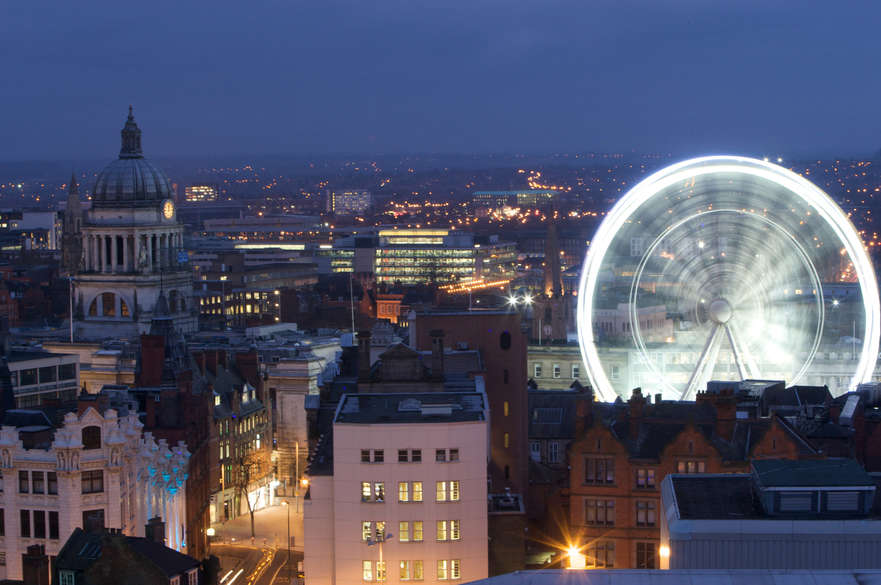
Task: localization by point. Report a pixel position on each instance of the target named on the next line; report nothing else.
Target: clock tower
(132, 251)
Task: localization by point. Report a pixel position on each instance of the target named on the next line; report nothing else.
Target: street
(261, 561)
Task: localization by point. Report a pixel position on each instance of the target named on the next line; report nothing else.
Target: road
(261, 560)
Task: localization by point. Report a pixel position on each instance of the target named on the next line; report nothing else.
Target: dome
(131, 179)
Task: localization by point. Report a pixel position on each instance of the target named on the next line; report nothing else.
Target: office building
(39, 376)
(782, 515)
(201, 193)
(349, 201)
(399, 494)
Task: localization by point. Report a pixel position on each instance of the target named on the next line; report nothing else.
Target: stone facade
(92, 470)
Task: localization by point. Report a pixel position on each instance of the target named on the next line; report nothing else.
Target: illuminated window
(404, 531)
(403, 491)
(417, 491)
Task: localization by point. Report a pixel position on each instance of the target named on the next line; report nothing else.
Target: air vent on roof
(437, 409)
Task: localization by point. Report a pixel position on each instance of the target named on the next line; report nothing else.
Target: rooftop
(811, 473)
(684, 577)
(429, 407)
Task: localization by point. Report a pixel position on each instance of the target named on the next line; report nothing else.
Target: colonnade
(119, 253)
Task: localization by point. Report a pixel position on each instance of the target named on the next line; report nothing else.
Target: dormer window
(91, 437)
(217, 400)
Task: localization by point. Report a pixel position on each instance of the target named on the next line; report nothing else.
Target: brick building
(624, 451)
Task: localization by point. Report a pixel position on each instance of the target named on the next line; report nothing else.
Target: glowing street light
(576, 559)
(527, 299)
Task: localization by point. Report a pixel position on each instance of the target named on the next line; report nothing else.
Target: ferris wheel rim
(645, 190)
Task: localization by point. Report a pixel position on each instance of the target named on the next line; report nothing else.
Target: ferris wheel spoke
(740, 349)
(705, 363)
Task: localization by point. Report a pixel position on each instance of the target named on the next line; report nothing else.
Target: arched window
(505, 340)
(93, 308)
(91, 437)
(108, 304)
(123, 309)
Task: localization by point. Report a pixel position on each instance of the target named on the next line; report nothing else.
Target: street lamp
(381, 566)
(577, 560)
(288, 563)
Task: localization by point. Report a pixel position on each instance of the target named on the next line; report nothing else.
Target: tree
(252, 465)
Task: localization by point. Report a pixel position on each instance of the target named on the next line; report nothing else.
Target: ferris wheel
(725, 268)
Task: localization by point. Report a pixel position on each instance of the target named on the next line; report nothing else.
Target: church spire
(131, 138)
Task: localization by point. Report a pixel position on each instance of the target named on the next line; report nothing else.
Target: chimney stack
(363, 356)
(437, 354)
(35, 566)
(155, 530)
(637, 412)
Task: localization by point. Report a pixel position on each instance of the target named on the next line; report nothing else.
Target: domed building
(132, 251)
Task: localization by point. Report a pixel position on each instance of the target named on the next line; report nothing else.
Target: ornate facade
(92, 470)
(133, 250)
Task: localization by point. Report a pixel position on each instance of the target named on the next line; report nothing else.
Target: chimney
(152, 360)
(437, 354)
(248, 366)
(363, 356)
(155, 530)
(726, 413)
(35, 566)
(658, 398)
(583, 416)
(636, 405)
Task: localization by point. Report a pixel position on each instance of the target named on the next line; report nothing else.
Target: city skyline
(684, 78)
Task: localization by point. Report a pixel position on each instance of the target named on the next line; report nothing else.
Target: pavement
(261, 560)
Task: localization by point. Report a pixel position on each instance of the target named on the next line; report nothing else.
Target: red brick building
(622, 452)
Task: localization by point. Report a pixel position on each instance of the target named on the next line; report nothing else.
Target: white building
(409, 471)
(132, 250)
(91, 470)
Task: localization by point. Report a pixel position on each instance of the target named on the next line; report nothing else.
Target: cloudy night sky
(340, 76)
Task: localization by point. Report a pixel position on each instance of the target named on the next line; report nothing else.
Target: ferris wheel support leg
(705, 361)
(749, 363)
(738, 359)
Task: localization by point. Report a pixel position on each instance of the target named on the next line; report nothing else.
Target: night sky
(388, 76)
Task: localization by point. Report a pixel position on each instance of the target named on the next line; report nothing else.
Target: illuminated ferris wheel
(725, 268)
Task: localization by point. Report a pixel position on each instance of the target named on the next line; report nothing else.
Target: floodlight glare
(716, 268)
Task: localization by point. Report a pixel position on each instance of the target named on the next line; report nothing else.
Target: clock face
(168, 209)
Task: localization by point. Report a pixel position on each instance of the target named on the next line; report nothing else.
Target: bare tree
(251, 467)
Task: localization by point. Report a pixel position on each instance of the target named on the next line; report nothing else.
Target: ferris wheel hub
(720, 311)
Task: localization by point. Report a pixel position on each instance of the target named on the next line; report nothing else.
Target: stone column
(149, 242)
(125, 267)
(102, 252)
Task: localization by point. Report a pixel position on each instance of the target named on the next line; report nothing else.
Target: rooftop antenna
(352, 303)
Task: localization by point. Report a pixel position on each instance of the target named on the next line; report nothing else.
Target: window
(505, 340)
(23, 484)
(576, 371)
(535, 450)
(48, 374)
(403, 456)
(379, 530)
(38, 482)
(3, 522)
(411, 571)
(367, 570)
(454, 454)
(507, 440)
(796, 502)
(379, 491)
(25, 519)
(601, 555)
(447, 491)
(554, 452)
(417, 531)
(93, 481)
(417, 491)
(91, 437)
(556, 372)
(599, 470)
(378, 456)
(599, 512)
(536, 371)
(53, 525)
(645, 513)
(366, 529)
(39, 524)
(28, 377)
(448, 569)
(448, 530)
(440, 455)
(645, 478)
(691, 466)
(66, 578)
(416, 457)
(403, 531)
(506, 408)
(645, 555)
(192, 576)
(403, 491)
(616, 373)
